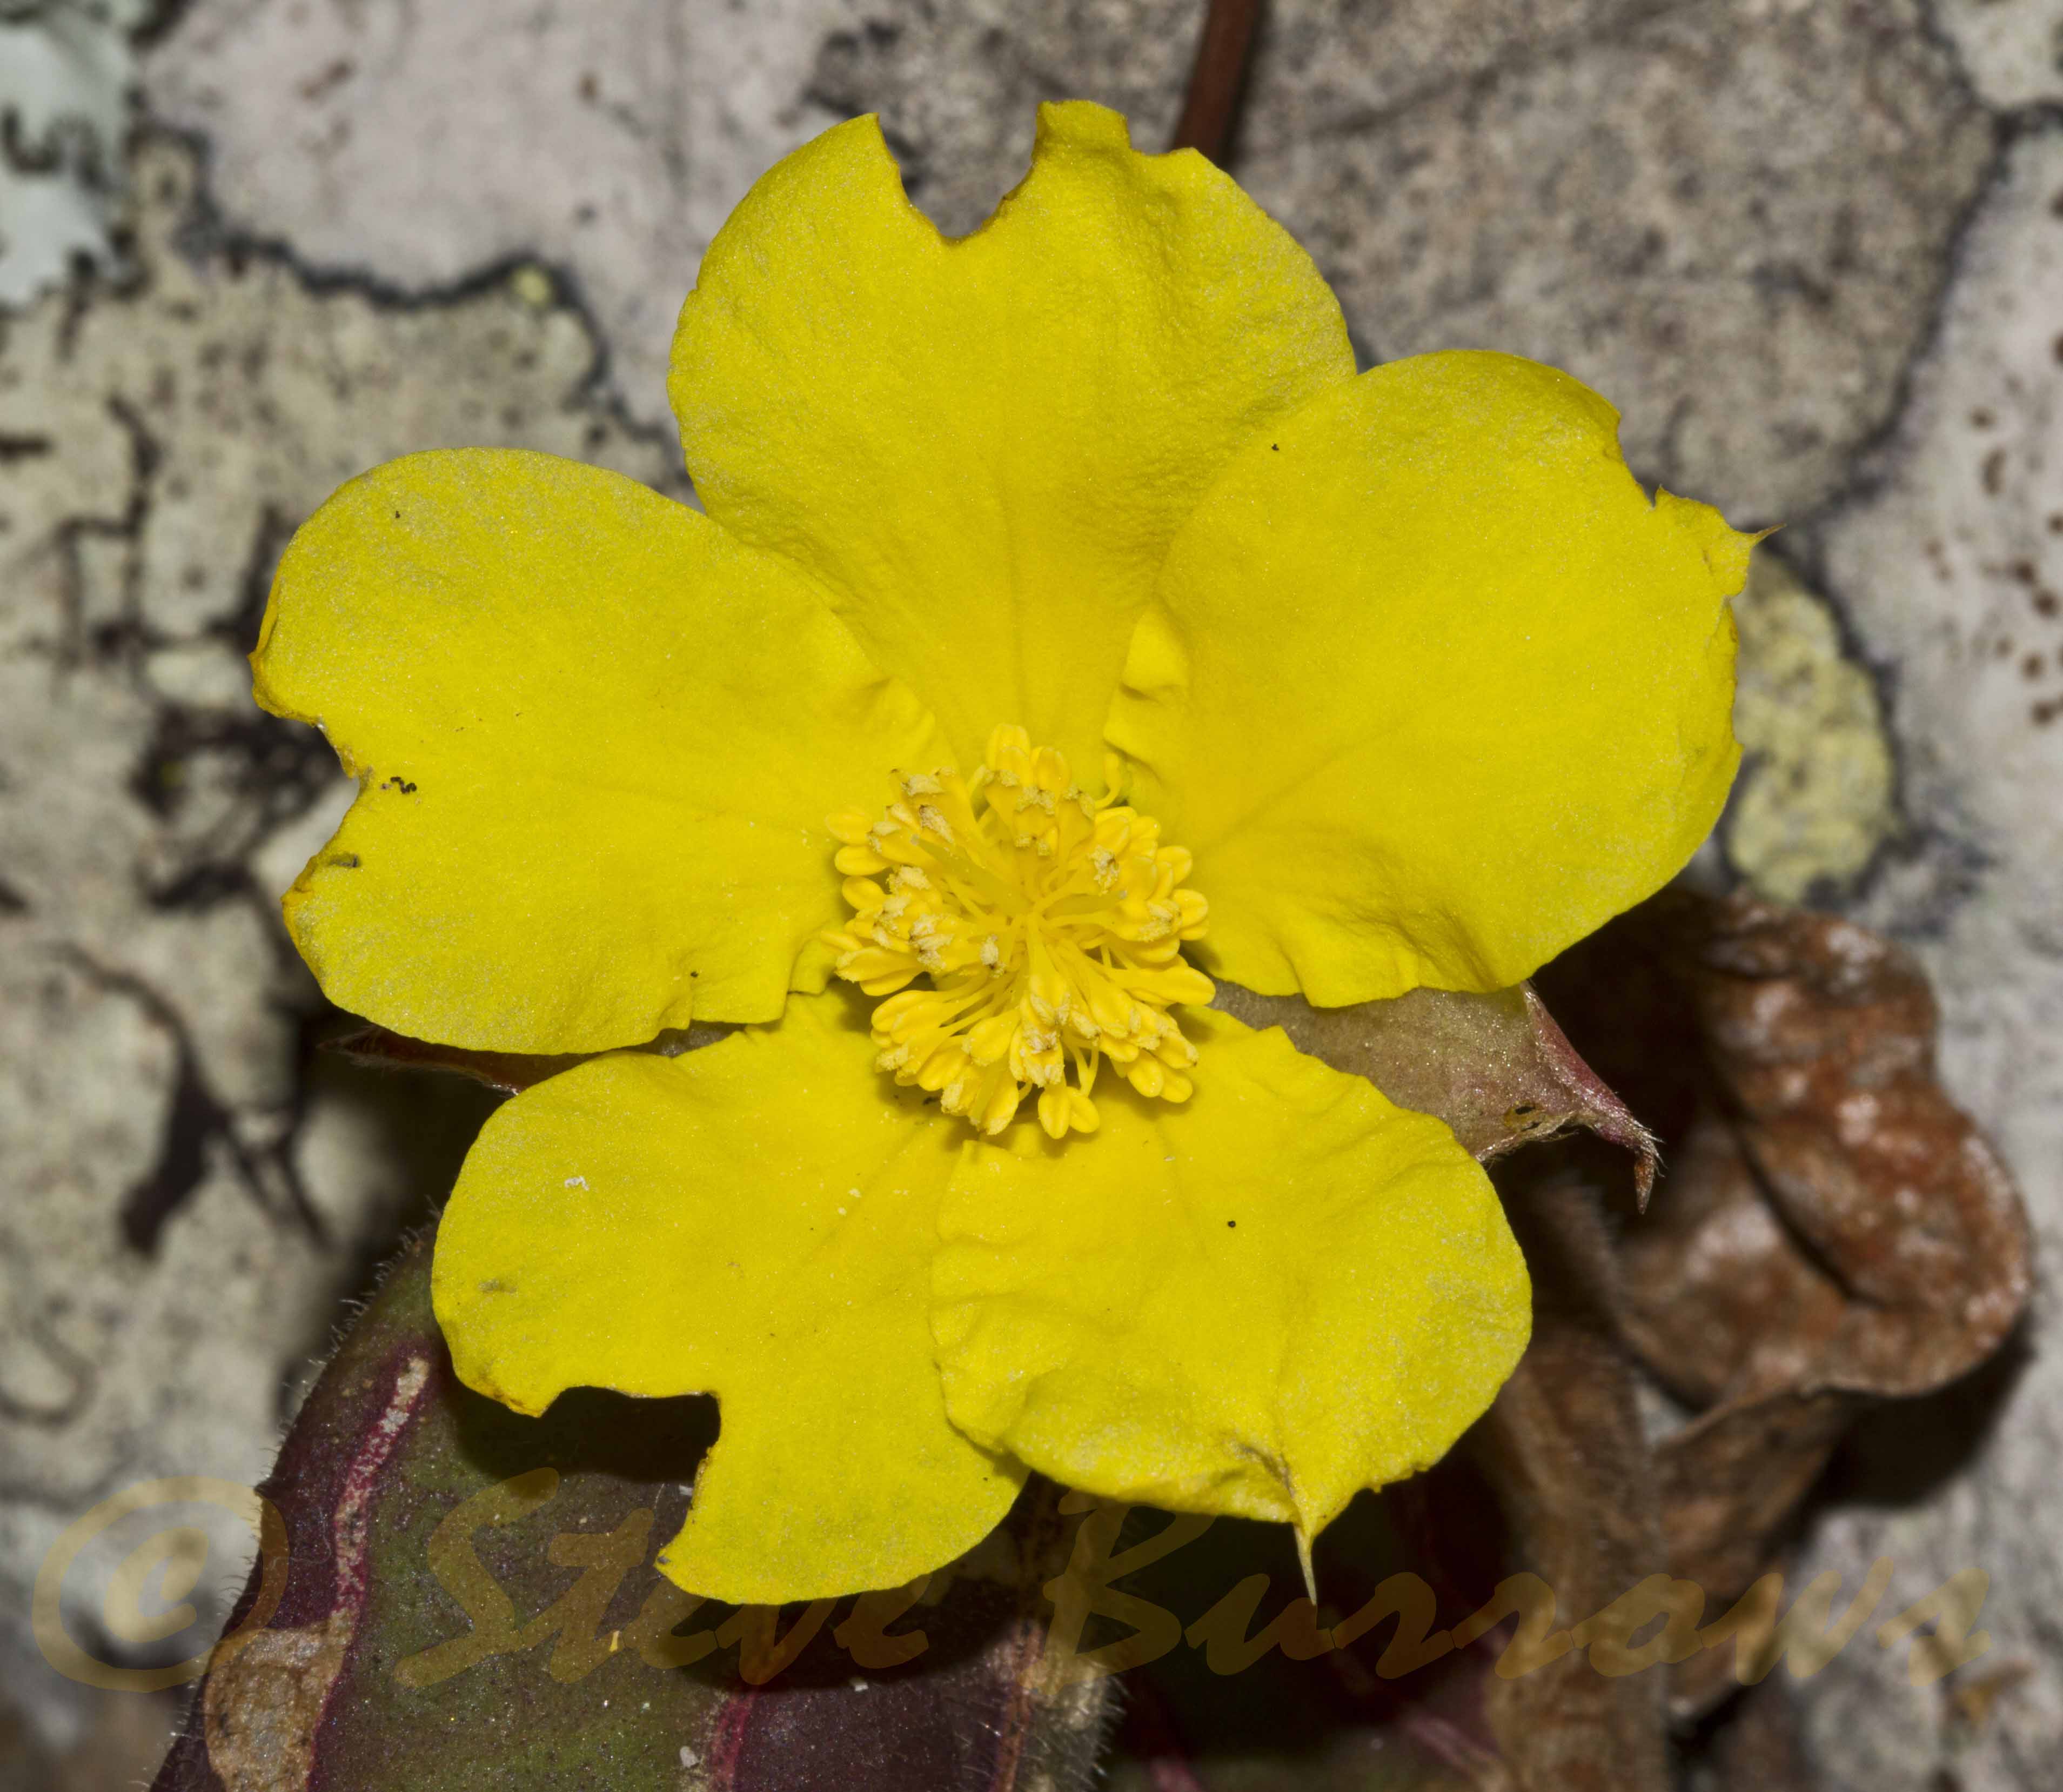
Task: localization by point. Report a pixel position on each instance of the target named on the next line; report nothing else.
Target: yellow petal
(755, 1220)
(1429, 688)
(597, 739)
(1254, 1305)
(985, 445)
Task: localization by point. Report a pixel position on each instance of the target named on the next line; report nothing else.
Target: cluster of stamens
(1050, 925)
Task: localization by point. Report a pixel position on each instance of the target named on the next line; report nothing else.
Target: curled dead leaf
(1820, 1036)
(1831, 1230)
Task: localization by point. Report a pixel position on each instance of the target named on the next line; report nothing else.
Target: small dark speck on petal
(1275, 448)
(1231, 1224)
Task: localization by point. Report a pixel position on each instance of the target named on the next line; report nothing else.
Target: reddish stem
(1215, 81)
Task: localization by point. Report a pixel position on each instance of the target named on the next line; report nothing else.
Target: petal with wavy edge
(1255, 1304)
(984, 446)
(755, 1220)
(1430, 688)
(597, 739)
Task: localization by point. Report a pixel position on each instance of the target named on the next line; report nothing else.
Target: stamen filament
(1050, 926)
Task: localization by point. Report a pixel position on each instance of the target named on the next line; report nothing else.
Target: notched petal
(1059, 389)
(1257, 1303)
(755, 1220)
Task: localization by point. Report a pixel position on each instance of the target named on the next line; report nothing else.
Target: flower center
(1050, 926)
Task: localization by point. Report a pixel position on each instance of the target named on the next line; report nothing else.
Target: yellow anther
(1146, 1075)
(991, 1039)
(945, 1065)
(1063, 1111)
(1176, 1052)
(859, 861)
(1049, 925)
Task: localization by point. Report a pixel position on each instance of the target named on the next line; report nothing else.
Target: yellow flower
(1407, 661)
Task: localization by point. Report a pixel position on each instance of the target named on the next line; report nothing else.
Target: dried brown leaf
(1820, 1035)
(1716, 1297)
(1831, 1227)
